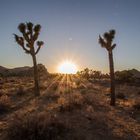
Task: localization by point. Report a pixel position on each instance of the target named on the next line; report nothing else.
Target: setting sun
(67, 67)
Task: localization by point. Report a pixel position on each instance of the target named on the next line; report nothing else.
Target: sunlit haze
(67, 67)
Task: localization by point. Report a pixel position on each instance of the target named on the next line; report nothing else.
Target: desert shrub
(20, 91)
(67, 91)
(120, 95)
(91, 80)
(83, 91)
(124, 76)
(5, 103)
(12, 80)
(37, 127)
(136, 105)
(51, 96)
(54, 86)
(1, 93)
(92, 99)
(42, 86)
(81, 86)
(77, 82)
(74, 101)
(61, 92)
(62, 101)
(138, 92)
(1, 81)
(88, 100)
(89, 86)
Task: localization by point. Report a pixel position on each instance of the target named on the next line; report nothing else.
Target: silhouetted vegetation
(37, 127)
(5, 103)
(90, 74)
(107, 42)
(30, 33)
(124, 76)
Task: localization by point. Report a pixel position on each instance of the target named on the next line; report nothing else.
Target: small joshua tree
(107, 42)
(30, 33)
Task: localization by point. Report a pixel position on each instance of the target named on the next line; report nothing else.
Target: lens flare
(67, 67)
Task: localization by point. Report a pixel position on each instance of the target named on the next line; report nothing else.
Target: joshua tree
(107, 42)
(30, 33)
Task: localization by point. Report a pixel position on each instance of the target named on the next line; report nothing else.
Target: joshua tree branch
(26, 50)
(102, 41)
(25, 35)
(37, 50)
(113, 46)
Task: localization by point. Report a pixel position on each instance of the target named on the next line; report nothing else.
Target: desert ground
(69, 108)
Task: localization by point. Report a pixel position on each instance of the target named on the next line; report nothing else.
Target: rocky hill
(22, 71)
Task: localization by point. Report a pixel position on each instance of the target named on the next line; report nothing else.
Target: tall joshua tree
(107, 42)
(30, 33)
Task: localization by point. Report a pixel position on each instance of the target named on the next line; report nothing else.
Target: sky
(70, 31)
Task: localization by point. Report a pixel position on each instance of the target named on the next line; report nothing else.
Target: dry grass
(21, 91)
(71, 102)
(72, 110)
(137, 104)
(5, 103)
(40, 126)
(121, 95)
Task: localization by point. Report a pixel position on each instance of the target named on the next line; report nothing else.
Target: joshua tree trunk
(36, 86)
(112, 78)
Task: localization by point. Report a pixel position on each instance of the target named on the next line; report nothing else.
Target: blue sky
(70, 30)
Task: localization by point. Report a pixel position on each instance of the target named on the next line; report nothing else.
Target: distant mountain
(3, 70)
(22, 71)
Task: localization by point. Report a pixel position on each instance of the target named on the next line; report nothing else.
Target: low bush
(136, 105)
(42, 86)
(37, 127)
(83, 91)
(67, 91)
(55, 86)
(20, 91)
(138, 92)
(5, 103)
(12, 80)
(88, 100)
(74, 101)
(81, 86)
(77, 82)
(120, 95)
(1, 81)
(51, 96)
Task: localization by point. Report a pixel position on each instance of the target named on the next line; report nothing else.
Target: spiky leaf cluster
(107, 40)
(30, 33)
